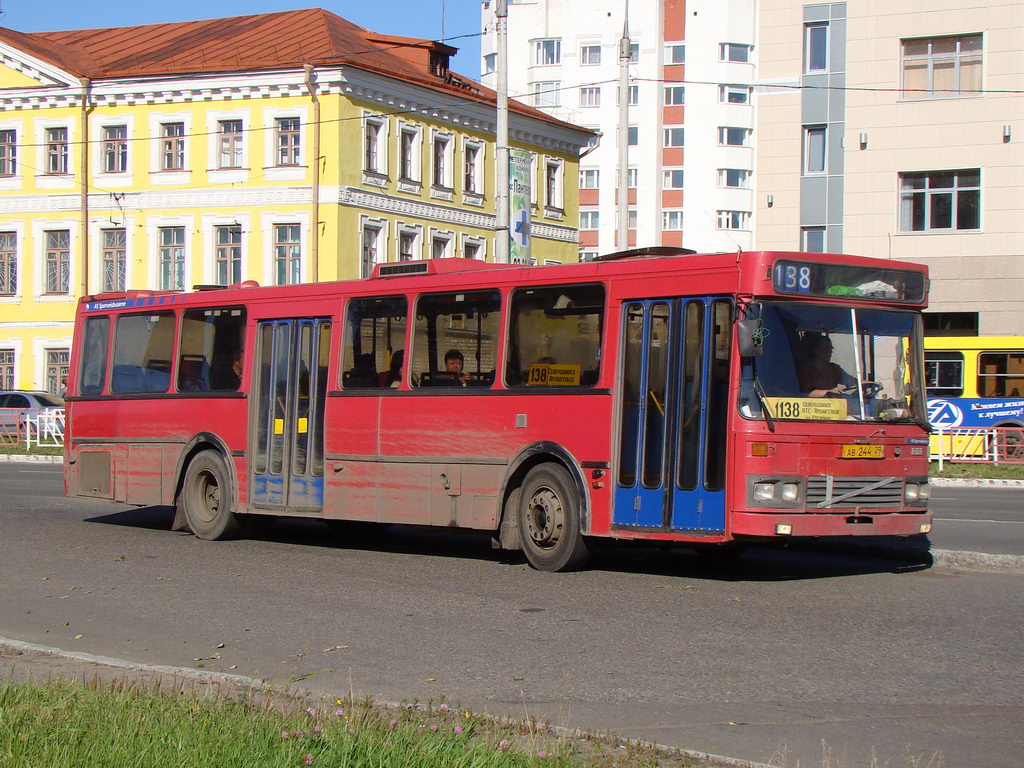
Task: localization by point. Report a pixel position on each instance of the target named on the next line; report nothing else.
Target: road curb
(974, 482)
(29, 458)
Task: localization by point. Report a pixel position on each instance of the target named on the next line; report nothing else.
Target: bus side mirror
(750, 337)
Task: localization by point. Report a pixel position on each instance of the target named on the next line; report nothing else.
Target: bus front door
(673, 411)
(290, 388)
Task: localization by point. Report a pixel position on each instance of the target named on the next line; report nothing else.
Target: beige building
(896, 130)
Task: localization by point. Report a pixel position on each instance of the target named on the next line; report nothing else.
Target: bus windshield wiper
(764, 405)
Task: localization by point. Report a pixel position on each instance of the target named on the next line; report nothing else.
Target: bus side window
(455, 339)
(94, 356)
(212, 340)
(142, 353)
(374, 338)
(944, 374)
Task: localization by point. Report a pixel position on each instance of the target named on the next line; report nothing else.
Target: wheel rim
(545, 518)
(208, 496)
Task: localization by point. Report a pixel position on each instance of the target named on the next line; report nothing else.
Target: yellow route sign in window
(810, 408)
(549, 375)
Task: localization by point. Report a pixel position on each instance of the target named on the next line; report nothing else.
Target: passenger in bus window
(817, 375)
(233, 380)
(452, 375)
(392, 377)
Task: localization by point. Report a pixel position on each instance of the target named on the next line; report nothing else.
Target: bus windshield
(830, 363)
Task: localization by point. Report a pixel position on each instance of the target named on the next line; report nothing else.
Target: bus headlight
(774, 491)
(912, 492)
(790, 492)
(764, 491)
(925, 493)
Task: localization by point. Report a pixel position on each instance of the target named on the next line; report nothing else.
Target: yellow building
(284, 147)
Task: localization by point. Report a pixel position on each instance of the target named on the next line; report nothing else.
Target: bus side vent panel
(403, 268)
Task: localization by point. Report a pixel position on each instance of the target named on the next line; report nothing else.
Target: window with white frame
(590, 54)
(673, 136)
(631, 218)
(634, 53)
(440, 245)
(729, 136)
(590, 96)
(553, 184)
(815, 154)
(546, 52)
(675, 53)
(6, 369)
(57, 366)
(8, 153)
(816, 46)
(590, 178)
(115, 260)
(940, 201)
(675, 95)
(288, 140)
(441, 160)
(57, 150)
(631, 178)
(734, 219)
(738, 178)
(408, 244)
(812, 239)
(589, 218)
(473, 153)
(230, 144)
(672, 178)
(227, 258)
(545, 93)
(287, 254)
(734, 94)
(172, 258)
(490, 63)
(735, 52)
(672, 220)
(473, 248)
(632, 135)
(8, 264)
(409, 153)
(115, 149)
(371, 247)
(373, 145)
(632, 95)
(941, 67)
(588, 255)
(172, 146)
(58, 261)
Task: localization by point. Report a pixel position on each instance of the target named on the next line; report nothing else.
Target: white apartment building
(896, 130)
(691, 118)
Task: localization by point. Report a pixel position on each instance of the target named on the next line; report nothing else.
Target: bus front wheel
(549, 520)
(207, 499)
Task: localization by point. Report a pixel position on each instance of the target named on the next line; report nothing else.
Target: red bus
(646, 395)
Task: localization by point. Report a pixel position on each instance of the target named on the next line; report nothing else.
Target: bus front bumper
(847, 523)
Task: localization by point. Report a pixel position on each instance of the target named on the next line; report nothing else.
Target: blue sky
(419, 18)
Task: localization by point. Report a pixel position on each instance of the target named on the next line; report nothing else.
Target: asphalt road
(768, 656)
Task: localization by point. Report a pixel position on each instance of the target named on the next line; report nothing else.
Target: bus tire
(207, 498)
(549, 520)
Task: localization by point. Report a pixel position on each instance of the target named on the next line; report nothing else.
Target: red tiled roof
(284, 40)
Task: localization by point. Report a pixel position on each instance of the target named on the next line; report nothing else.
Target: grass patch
(34, 451)
(977, 470)
(74, 725)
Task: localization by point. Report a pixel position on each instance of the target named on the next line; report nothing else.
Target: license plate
(862, 452)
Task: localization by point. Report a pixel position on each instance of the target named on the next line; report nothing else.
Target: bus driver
(817, 375)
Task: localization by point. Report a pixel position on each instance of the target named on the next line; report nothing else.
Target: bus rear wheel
(549, 520)
(207, 499)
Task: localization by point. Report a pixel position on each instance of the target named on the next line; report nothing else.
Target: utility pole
(501, 202)
(622, 228)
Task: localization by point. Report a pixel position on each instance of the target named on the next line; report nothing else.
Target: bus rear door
(674, 409)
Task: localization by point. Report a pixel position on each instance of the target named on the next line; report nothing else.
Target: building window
(589, 219)
(736, 52)
(738, 178)
(590, 178)
(631, 177)
(441, 163)
(816, 47)
(231, 137)
(634, 53)
(370, 249)
(940, 201)
(115, 260)
(440, 246)
(490, 63)
(58, 261)
(56, 150)
(115, 149)
(672, 178)
(287, 254)
(289, 140)
(407, 245)
(631, 218)
(632, 136)
(553, 184)
(57, 370)
(172, 147)
(8, 263)
(8, 153)
(473, 175)
(545, 93)
(675, 95)
(672, 221)
(6, 369)
(734, 94)
(673, 137)
(373, 156)
(228, 257)
(546, 52)
(935, 67)
(472, 249)
(812, 239)
(590, 97)
(172, 258)
(590, 54)
(409, 153)
(675, 53)
(733, 137)
(815, 148)
(734, 219)
(633, 95)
